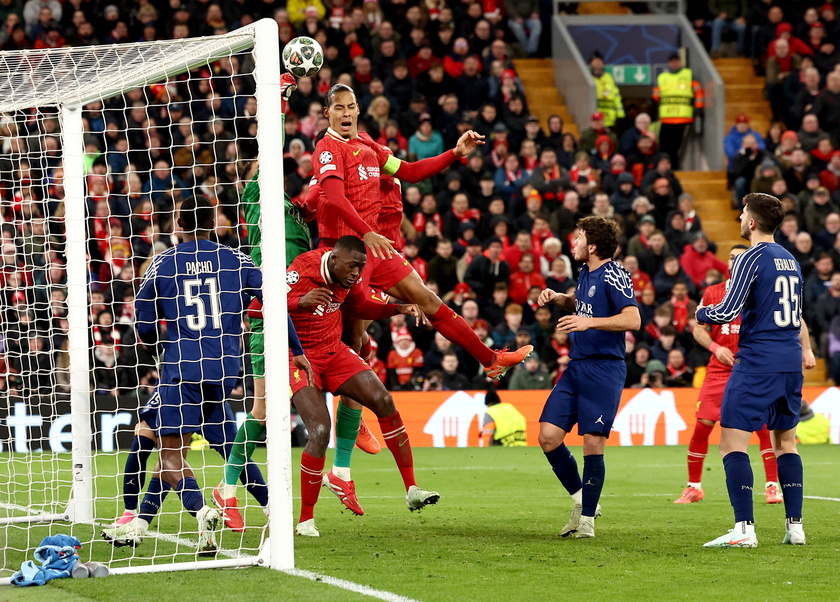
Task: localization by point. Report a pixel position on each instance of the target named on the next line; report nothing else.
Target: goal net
(98, 147)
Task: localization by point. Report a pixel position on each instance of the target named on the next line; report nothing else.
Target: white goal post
(80, 130)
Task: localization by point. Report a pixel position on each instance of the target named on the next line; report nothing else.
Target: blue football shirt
(200, 289)
(766, 290)
(602, 293)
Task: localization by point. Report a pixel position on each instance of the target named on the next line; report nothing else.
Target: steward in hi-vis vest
(679, 97)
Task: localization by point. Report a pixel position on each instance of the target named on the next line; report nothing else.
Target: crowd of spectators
(487, 235)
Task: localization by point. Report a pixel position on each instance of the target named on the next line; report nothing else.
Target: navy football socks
(134, 476)
(565, 467)
(790, 478)
(593, 482)
(190, 494)
(739, 482)
(153, 499)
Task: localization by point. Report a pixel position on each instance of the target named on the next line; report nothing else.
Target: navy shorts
(753, 400)
(179, 407)
(588, 395)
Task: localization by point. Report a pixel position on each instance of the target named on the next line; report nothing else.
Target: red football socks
(456, 329)
(311, 474)
(698, 447)
(393, 431)
(765, 446)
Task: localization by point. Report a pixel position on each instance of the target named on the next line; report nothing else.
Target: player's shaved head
(767, 211)
(351, 243)
(197, 213)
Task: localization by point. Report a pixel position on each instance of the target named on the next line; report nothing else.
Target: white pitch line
(819, 497)
(350, 586)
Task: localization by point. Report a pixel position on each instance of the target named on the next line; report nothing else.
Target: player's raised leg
(368, 389)
(771, 471)
(453, 327)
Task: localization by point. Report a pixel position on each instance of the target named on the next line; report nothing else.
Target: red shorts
(711, 396)
(331, 370)
(382, 274)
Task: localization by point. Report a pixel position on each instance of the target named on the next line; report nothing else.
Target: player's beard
(745, 230)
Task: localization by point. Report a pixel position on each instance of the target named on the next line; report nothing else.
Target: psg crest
(592, 291)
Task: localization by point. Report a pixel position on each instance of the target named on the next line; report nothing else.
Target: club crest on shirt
(592, 291)
(292, 277)
(325, 157)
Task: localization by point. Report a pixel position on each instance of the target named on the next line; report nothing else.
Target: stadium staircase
(744, 93)
(544, 100)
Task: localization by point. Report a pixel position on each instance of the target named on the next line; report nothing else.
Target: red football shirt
(318, 328)
(359, 166)
(725, 335)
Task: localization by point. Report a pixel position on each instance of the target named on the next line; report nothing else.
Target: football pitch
(494, 536)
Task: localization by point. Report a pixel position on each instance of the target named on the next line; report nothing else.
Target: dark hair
(197, 213)
(320, 136)
(351, 243)
(767, 211)
(601, 232)
(745, 247)
(330, 97)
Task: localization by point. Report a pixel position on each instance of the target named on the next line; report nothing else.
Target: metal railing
(679, 8)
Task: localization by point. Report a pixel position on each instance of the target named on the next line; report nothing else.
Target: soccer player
(348, 170)
(765, 387)
(200, 289)
(722, 341)
(604, 307)
(320, 283)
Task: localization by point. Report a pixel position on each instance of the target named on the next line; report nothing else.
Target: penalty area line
(819, 497)
(349, 586)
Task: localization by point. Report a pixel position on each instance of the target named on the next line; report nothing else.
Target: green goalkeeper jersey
(297, 231)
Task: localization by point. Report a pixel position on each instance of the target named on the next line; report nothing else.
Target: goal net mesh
(161, 122)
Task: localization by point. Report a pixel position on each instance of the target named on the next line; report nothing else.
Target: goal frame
(277, 550)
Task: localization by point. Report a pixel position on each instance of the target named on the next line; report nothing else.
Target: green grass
(493, 536)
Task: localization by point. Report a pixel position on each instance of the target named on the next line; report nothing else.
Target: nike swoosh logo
(737, 541)
(356, 152)
(403, 442)
(315, 482)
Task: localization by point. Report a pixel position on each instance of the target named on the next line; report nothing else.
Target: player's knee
(319, 436)
(549, 441)
(428, 301)
(383, 404)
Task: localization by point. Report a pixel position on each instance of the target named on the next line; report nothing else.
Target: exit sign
(630, 75)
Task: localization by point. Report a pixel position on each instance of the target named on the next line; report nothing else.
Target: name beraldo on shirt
(784, 265)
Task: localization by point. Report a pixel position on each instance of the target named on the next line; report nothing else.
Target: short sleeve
(619, 285)
(327, 161)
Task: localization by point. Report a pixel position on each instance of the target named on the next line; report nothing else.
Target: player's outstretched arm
(564, 300)
(426, 168)
(808, 359)
(628, 319)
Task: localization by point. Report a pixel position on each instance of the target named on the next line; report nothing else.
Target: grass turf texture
(493, 536)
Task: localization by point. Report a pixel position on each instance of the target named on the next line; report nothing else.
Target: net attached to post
(161, 122)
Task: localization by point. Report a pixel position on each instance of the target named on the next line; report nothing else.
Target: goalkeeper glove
(287, 86)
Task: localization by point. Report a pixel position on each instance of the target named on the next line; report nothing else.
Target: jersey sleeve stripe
(743, 274)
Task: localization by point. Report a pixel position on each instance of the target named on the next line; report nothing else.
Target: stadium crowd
(488, 235)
